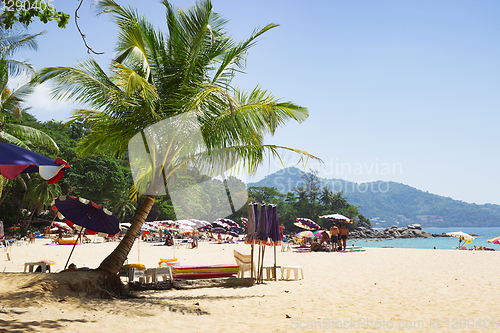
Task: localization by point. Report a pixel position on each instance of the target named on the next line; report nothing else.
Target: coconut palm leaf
(170, 97)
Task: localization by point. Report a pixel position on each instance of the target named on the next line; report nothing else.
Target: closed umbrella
(250, 238)
(274, 232)
(261, 238)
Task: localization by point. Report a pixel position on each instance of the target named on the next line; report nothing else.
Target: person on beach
(325, 239)
(282, 227)
(334, 236)
(196, 236)
(344, 232)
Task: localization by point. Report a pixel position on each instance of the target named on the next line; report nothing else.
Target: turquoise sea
(439, 242)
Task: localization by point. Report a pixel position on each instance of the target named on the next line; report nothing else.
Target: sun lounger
(244, 262)
(204, 272)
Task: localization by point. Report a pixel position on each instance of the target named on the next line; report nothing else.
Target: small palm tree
(12, 40)
(40, 195)
(160, 76)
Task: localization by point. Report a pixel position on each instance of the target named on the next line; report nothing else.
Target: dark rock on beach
(413, 231)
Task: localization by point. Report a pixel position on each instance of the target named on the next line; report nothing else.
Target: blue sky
(404, 91)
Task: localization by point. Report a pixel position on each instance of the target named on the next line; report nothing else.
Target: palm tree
(12, 40)
(40, 195)
(11, 110)
(159, 77)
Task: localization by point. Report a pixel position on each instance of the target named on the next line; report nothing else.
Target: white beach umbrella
(336, 217)
(461, 236)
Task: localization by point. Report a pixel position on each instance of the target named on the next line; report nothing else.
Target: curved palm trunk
(115, 260)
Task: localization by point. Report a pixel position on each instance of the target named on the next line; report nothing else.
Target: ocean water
(439, 242)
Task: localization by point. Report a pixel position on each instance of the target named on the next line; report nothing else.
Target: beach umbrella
(228, 222)
(206, 227)
(86, 214)
(262, 237)
(303, 226)
(304, 234)
(495, 240)
(318, 233)
(185, 223)
(221, 224)
(274, 232)
(15, 160)
(232, 233)
(236, 229)
(61, 226)
(218, 229)
(309, 223)
(262, 228)
(462, 236)
(200, 223)
(125, 225)
(336, 218)
(250, 238)
(244, 221)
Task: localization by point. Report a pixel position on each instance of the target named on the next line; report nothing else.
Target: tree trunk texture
(115, 260)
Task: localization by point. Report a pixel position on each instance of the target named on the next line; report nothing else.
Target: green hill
(390, 203)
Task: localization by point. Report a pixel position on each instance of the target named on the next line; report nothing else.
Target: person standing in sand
(344, 232)
(196, 237)
(334, 236)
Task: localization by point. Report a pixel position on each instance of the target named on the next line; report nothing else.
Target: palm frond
(31, 136)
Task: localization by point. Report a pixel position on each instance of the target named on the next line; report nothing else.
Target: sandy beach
(380, 289)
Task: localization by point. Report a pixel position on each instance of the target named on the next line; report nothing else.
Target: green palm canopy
(157, 76)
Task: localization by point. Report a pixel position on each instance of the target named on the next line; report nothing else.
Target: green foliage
(26, 11)
(392, 202)
(304, 201)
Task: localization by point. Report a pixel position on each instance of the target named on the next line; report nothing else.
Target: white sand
(435, 290)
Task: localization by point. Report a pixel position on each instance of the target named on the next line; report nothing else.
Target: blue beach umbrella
(237, 229)
(15, 160)
(228, 222)
(87, 215)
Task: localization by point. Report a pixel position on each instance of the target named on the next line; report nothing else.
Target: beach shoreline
(378, 287)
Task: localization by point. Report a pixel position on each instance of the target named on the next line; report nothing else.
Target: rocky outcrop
(412, 231)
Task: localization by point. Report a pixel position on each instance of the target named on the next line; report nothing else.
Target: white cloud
(44, 107)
